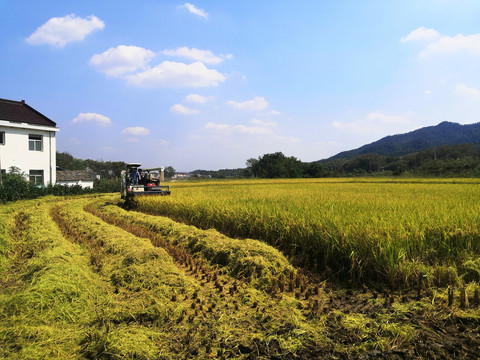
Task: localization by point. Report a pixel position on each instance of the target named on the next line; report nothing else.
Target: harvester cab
(136, 181)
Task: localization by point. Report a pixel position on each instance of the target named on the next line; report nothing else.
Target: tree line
(277, 165)
(106, 169)
(444, 161)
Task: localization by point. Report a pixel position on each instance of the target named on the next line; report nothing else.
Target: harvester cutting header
(137, 181)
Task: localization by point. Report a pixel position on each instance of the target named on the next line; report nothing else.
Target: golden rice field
(324, 269)
(364, 230)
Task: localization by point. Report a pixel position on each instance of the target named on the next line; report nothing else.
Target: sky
(210, 84)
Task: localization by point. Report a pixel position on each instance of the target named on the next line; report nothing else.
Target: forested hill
(445, 133)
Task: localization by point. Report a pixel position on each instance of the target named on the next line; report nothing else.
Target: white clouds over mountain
(377, 123)
(463, 89)
(239, 129)
(257, 132)
(59, 31)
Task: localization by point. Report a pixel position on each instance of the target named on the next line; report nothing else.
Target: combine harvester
(139, 182)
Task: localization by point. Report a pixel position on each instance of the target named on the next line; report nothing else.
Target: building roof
(74, 175)
(18, 111)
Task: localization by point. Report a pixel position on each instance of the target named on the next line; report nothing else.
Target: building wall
(15, 151)
(83, 183)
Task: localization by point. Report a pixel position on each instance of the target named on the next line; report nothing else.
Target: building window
(35, 142)
(2, 137)
(36, 177)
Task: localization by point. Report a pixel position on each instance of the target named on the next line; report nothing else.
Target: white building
(75, 177)
(27, 141)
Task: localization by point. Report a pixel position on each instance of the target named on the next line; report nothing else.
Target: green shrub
(107, 186)
(14, 187)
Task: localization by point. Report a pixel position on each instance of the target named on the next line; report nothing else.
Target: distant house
(82, 178)
(181, 175)
(27, 142)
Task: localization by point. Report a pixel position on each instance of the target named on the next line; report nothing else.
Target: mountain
(445, 133)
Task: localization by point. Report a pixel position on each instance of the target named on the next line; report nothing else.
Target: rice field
(246, 270)
(364, 230)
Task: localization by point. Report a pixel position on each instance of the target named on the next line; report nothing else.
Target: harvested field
(84, 278)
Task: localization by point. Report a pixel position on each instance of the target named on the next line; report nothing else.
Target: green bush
(65, 190)
(107, 186)
(15, 187)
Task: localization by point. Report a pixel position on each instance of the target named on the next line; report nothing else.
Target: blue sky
(209, 84)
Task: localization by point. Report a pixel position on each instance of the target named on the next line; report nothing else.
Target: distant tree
(313, 170)
(106, 170)
(277, 165)
(169, 172)
(252, 167)
(68, 162)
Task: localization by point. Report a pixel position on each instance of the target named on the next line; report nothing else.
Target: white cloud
(257, 103)
(136, 130)
(182, 110)
(94, 118)
(174, 74)
(375, 117)
(259, 130)
(131, 64)
(274, 113)
(438, 44)
(59, 31)
(268, 124)
(428, 92)
(109, 149)
(205, 56)
(198, 99)
(160, 142)
(75, 141)
(227, 129)
(375, 123)
(421, 34)
(463, 89)
(121, 60)
(196, 11)
(453, 44)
